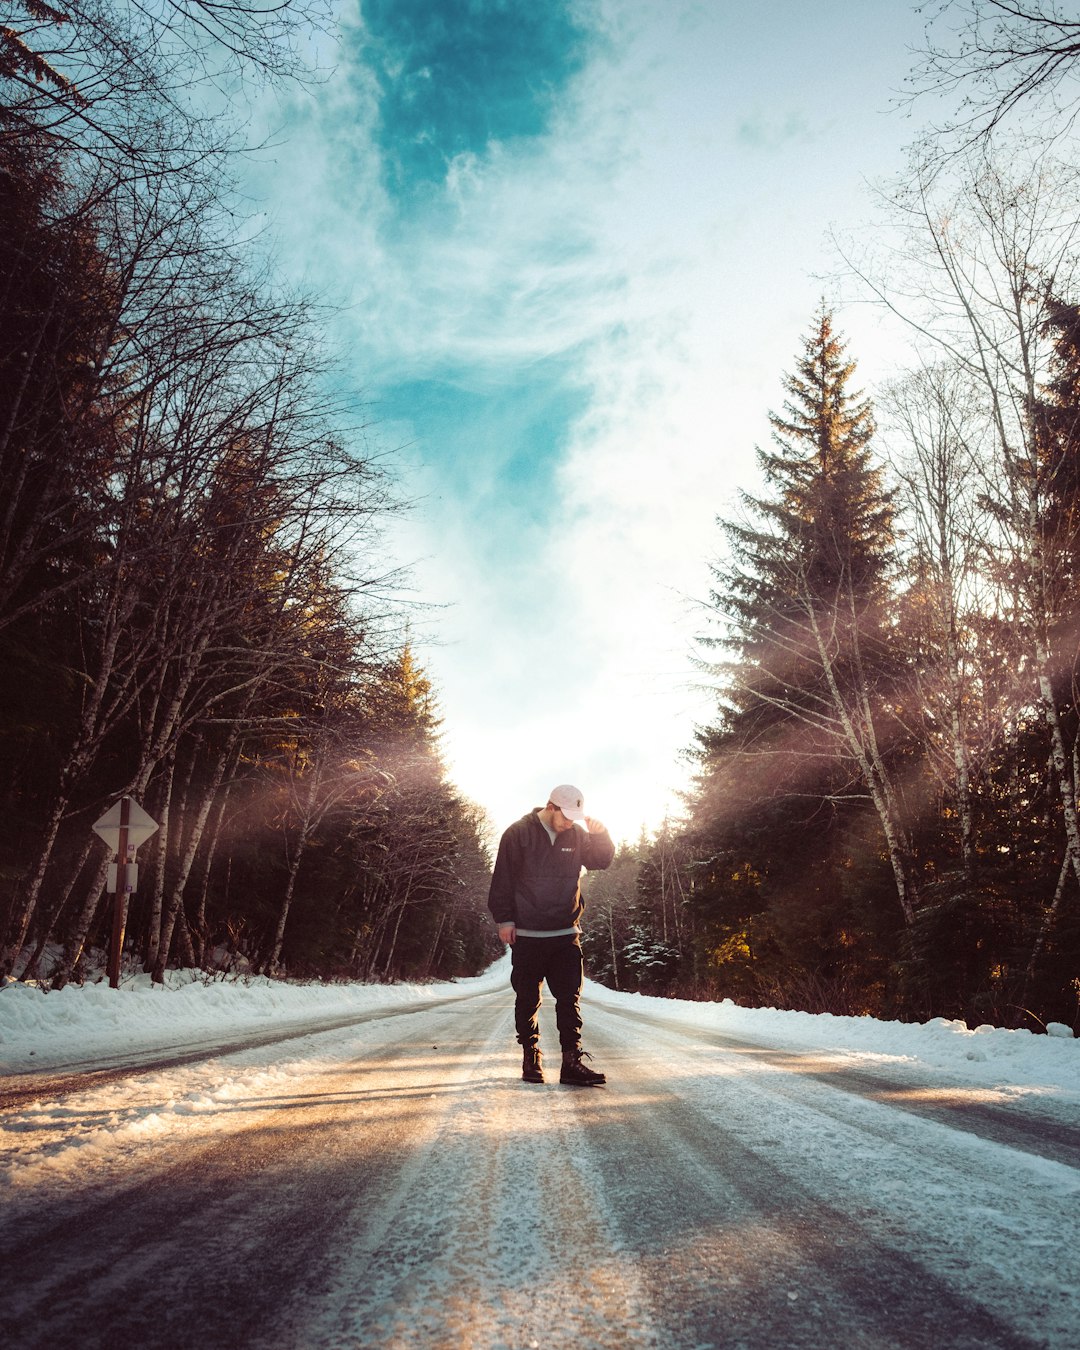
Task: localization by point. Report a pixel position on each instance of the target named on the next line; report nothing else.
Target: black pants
(557, 960)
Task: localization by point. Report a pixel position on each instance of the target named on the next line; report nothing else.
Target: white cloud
(671, 255)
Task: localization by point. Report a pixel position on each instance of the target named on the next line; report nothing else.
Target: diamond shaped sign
(140, 826)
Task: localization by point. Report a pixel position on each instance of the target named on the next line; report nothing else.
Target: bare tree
(236, 498)
(983, 260)
(325, 770)
(1003, 57)
(198, 494)
(938, 459)
(82, 69)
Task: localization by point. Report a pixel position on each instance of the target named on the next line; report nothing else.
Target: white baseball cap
(569, 800)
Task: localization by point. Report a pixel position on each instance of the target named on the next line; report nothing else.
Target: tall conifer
(803, 743)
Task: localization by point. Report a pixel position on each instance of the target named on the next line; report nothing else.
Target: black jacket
(536, 883)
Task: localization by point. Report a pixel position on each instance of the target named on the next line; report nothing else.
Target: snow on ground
(83, 1023)
(105, 1124)
(980, 1207)
(1013, 1063)
(96, 1135)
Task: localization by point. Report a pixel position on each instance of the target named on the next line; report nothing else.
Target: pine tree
(819, 556)
(804, 743)
(1059, 463)
(1056, 581)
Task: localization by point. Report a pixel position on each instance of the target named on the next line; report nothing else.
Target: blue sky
(576, 246)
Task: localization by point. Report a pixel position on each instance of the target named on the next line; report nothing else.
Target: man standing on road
(535, 899)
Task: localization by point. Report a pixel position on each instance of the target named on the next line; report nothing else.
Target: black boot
(577, 1074)
(532, 1065)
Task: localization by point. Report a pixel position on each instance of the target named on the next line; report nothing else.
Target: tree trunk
(24, 907)
(32, 969)
(73, 949)
(863, 747)
(93, 724)
(157, 887)
(611, 935)
(393, 941)
(198, 923)
(1062, 763)
(270, 965)
(185, 863)
(1047, 922)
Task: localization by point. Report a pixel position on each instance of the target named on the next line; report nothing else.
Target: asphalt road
(410, 1191)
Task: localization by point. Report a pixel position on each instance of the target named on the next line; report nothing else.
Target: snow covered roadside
(86, 1023)
(409, 1144)
(1013, 1064)
(110, 1132)
(83, 1023)
(103, 1135)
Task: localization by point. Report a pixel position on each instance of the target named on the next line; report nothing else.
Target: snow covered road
(396, 1184)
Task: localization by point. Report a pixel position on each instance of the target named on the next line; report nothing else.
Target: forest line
(197, 608)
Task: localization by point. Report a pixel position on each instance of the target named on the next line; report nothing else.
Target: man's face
(560, 823)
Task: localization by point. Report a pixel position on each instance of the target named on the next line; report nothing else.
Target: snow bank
(987, 1054)
(80, 1023)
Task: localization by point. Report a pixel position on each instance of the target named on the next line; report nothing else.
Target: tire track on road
(1013, 1126)
(723, 1191)
(25, 1088)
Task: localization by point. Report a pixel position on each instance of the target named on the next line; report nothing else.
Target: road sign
(131, 879)
(140, 826)
(124, 826)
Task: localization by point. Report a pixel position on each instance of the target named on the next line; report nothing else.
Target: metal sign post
(124, 826)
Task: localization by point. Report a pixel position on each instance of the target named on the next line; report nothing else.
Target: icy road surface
(395, 1184)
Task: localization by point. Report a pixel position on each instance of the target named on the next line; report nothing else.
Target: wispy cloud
(572, 281)
(769, 132)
